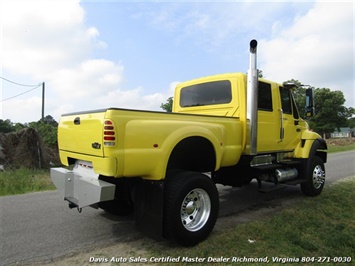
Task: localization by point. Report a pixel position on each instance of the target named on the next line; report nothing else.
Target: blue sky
(94, 54)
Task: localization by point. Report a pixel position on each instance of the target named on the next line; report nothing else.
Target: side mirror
(289, 85)
(310, 102)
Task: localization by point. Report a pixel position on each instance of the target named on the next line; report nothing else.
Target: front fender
(319, 148)
(308, 148)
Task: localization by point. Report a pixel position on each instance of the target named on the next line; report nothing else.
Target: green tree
(19, 126)
(6, 126)
(351, 122)
(168, 106)
(47, 129)
(50, 120)
(260, 74)
(330, 112)
(299, 94)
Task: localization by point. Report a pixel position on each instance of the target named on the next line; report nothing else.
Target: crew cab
(224, 129)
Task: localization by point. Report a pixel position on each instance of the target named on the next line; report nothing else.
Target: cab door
(279, 124)
(268, 117)
(290, 128)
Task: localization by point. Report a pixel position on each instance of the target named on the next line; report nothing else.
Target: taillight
(109, 133)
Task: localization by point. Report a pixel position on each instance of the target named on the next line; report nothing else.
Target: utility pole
(43, 86)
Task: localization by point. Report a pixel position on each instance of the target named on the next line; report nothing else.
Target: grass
(317, 227)
(24, 180)
(333, 149)
(340, 144)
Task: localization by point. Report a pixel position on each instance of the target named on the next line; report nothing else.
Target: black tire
(247, 180)
(190, 209)
(315, 176)
(117, 207)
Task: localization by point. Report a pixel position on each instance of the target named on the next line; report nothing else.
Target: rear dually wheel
(190, 208)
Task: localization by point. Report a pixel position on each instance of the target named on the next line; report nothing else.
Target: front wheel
(191, 207)
(315, 176)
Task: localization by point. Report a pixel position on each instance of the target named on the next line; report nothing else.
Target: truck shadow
(237, 205)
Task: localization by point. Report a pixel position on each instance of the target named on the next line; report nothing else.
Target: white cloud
(42, 36)
(214, 26)
(23, 110)
(309, 41)
(316, 50)
(134, 98)
(89, 79)
(50, 41)
(172, 87)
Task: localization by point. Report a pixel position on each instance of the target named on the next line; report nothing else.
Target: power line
(18, 83)
(21, 93)
(42, 84)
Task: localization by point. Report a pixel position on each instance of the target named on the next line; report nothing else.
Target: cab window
(208, 93)
(286, 104)
(264, 96)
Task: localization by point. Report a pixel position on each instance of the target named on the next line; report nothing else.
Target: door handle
(282, 130)
(77, 121)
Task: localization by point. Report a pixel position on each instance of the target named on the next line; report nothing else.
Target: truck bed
(143, 140)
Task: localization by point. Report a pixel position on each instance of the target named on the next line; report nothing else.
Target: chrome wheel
(195, 209)
(190, 208)
(318, 176)
(314, 177)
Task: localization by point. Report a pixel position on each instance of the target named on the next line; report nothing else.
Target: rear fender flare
(184, 133)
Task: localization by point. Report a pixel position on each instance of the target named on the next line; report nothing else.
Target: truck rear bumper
(81, 191)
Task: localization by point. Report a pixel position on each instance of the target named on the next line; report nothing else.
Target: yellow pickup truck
(225, 129)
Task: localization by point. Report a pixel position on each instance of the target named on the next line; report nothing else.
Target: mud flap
(148, 208)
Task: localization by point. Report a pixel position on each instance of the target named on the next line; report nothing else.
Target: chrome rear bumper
(81, 191)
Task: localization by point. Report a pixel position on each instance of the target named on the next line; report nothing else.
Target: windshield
(209, 93)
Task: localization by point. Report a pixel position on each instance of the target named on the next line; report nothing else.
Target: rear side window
(264, 96)
(209, 93)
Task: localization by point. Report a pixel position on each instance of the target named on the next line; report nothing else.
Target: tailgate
(82, 133)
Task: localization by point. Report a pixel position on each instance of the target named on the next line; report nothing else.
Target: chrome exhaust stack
(252, 101)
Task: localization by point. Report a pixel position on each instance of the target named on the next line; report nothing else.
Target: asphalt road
(39, 227)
